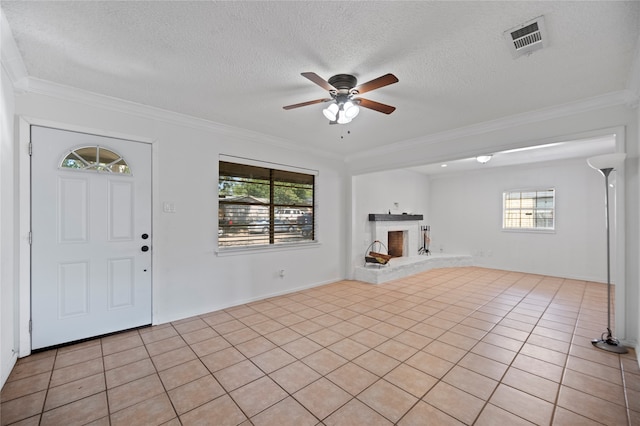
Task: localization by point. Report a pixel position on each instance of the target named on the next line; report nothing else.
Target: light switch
(168, 207)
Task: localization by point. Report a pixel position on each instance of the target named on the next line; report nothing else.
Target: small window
(529, 210)
(95, 158)
(260, 205)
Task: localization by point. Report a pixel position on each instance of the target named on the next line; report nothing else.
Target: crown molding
(68, 93)
(622, 97)
(10, 56)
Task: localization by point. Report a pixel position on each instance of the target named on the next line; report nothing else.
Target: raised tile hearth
(400, 267)
(384, 226)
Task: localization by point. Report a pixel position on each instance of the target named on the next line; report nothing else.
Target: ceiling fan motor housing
(343, 82)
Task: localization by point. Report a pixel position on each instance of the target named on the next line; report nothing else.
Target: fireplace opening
(395, 241)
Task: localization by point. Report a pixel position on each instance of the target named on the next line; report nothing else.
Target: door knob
(144, 248)
(145, 236)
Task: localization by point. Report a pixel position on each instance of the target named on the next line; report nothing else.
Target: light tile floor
(445, 347)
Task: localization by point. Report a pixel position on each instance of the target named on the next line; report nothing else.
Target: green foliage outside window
(260, 205)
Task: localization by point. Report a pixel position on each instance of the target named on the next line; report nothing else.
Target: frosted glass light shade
(342, 118)
(607, 161)
(331, 111)
(351, 110)
(483, 158)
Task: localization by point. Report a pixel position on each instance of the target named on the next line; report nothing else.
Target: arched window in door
(95, 158)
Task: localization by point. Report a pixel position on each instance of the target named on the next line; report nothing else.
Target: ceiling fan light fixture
(351, 110)
(331, 112)
(342, 89)
(343, 118)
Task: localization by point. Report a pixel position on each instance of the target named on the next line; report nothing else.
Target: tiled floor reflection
(445, 347)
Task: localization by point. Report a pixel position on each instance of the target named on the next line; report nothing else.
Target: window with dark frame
(529, 210)
(263, 206)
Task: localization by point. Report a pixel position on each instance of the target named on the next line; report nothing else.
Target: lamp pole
(604, 164)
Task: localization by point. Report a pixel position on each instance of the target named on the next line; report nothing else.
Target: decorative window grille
(529, 210)
(260, 205)
(97, 159)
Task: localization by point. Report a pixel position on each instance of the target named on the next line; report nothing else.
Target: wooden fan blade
(317, 101)
(319, 81)
(377, 106)
(376, 83)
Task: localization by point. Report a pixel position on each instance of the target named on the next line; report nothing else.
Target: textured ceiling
(238, 63)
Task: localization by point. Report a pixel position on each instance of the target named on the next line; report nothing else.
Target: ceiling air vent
(527, 38)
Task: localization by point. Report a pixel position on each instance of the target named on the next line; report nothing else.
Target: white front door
(91, 235)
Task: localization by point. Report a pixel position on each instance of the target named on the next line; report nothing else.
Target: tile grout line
(486, 402)
(467, 351)
(228, 392)
(565, 368)
(106, 384)
(439, 380)
(369, 350)
(46, 394)
(175, 410)
(517, 353)
(566, 361)
(624, 390)
(403, 298)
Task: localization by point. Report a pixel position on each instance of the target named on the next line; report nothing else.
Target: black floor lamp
(606, 164)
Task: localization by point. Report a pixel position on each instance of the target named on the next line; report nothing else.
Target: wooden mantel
(375, 217)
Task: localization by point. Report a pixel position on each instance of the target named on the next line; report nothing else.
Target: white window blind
(529, 209)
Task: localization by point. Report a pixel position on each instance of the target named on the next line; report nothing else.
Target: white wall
(8, 281)
(466, 218)
(553, 125)
(189, 278)
(378, 193)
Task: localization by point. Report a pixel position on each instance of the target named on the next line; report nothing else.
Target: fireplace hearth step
(400, 267)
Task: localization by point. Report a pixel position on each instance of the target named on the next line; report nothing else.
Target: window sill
(233, 251)
(530, 231)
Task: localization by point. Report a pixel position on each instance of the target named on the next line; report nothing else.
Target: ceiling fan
(344, 89)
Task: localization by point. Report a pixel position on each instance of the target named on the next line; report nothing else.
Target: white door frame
(24, 192)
